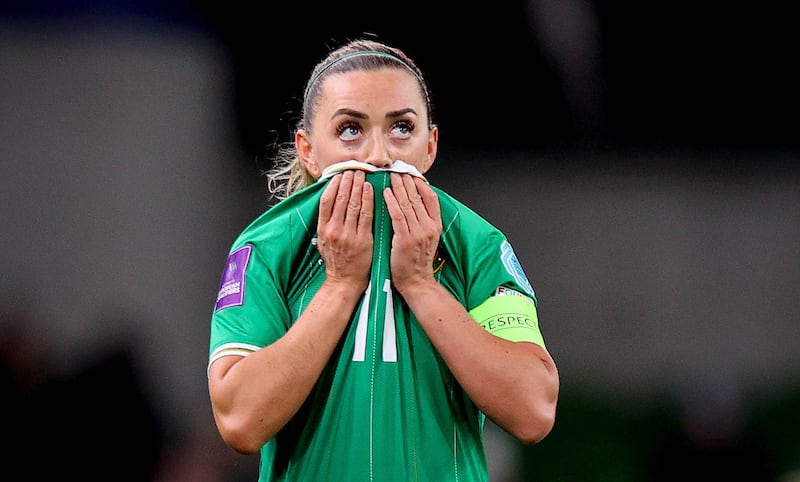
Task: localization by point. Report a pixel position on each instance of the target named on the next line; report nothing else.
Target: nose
(377, 153)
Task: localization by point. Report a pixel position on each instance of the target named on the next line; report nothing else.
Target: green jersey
(386, 408)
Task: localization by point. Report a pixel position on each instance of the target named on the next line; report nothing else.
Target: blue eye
(403, 129)
(348, 131)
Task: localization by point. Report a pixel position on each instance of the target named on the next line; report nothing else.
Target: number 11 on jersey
(389, 332)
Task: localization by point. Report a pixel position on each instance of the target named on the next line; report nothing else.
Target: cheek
(327, 153)
(418, 149)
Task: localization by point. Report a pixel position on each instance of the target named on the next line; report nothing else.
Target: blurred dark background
(642, 157)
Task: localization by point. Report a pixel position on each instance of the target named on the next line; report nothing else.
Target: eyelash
(407, 125)
(347, 125)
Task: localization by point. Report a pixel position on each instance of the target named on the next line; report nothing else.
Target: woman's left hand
(417, 221)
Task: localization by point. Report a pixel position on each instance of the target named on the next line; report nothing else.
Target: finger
(354, 201)
(405, 211)
(414, 198)
(327, 199)
(341, 202)
(399, 223)
(400, 192)
(405, 192)
(367, 210)
(430, 200)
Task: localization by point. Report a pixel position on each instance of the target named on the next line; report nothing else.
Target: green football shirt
(386, 408)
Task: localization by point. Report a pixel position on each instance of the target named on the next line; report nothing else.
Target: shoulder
(459, 216)
(284, 223)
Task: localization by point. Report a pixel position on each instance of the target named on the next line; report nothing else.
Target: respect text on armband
(509, 320)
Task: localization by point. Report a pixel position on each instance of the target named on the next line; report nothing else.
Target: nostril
(380, 163)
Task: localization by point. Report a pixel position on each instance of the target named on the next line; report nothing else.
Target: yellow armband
(512, 318)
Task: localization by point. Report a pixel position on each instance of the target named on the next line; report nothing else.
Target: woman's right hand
(344, 228)
(248, 414)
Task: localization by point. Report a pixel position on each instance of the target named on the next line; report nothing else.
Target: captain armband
(512, 318)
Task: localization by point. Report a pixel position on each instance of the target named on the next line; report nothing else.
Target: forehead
(389, 87)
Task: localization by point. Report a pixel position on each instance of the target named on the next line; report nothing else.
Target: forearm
(256, 396)
(514, 384)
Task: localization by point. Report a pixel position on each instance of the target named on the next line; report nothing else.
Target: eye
(402, 129)
(348, 131)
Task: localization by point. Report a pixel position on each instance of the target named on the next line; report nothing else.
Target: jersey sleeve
(252, 308)
(509, 315)
(246, 316)
(503, 300)
(498, 293)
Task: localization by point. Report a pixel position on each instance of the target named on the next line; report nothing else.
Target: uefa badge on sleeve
(231, 287)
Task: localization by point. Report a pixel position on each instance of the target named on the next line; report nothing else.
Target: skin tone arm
(253, 397)
(522, 401)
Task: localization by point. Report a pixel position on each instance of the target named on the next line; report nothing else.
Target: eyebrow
(349, 112)
(361, 115)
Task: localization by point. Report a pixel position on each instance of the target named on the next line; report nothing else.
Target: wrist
(419, 288)
(336, 290)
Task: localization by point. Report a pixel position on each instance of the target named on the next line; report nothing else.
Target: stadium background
(641, 158)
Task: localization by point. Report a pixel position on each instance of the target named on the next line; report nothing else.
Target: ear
(305, 150)
(433, 146)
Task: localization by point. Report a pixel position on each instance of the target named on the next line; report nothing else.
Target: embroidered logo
(231, 287)
(514, 268)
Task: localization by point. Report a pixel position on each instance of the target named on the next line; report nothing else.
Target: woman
(368, 323)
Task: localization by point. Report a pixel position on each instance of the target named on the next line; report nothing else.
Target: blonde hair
(288, 174)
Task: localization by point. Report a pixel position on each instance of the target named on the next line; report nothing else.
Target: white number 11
(389, 335)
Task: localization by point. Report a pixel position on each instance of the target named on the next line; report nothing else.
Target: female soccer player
(368, 322)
